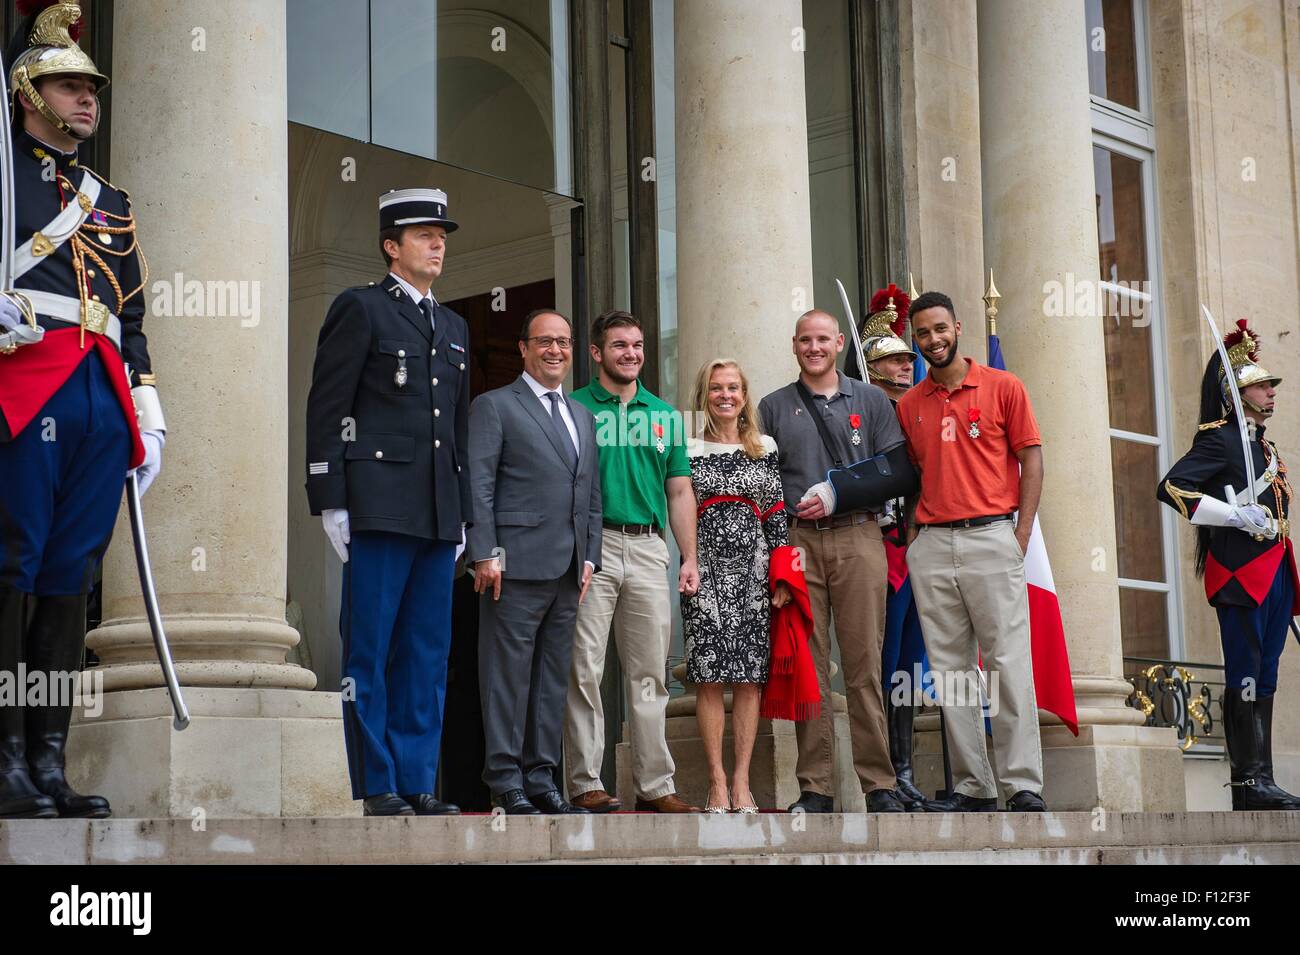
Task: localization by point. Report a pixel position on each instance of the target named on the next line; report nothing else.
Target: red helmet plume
(880, 301)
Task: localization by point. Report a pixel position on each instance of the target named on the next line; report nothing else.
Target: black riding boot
(55, 644)
(1264, 727)
(900, 754)
(1244, 758)
(19, 797)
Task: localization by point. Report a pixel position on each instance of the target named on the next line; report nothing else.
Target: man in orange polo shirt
(972, 434)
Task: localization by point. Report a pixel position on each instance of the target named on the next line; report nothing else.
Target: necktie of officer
(427, 307)
(562, 432)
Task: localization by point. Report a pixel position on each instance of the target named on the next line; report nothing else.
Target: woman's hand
(782, 596)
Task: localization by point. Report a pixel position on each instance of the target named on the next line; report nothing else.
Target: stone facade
(997, 174)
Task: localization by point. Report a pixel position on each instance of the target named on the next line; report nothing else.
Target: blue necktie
(562, 432)
(427, 307)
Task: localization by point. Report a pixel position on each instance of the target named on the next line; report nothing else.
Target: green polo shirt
(641, 444)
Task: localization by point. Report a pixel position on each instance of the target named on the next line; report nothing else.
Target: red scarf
(792, 692)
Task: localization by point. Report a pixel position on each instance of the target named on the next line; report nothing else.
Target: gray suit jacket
(526, 500)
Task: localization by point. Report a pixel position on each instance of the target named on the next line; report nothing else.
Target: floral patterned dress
(742, 520)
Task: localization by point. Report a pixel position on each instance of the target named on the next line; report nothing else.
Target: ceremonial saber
(1236, 406)
(6, 187)
(32, 333)
(853, 326)
(180, 715)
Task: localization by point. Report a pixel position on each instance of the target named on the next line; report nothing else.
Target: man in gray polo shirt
(844, 556)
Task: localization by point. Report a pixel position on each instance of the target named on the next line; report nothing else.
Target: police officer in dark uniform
(78, 406)
(387, 432)
(1245, 554)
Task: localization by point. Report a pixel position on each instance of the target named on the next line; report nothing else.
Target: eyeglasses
(546, 341)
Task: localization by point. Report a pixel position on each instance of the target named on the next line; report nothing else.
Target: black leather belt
(634, 529)
(974, 521)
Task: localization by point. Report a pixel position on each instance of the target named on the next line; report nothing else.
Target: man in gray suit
(535, 543)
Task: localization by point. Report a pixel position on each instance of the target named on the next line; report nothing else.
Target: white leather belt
(66, 309)
(59, 229)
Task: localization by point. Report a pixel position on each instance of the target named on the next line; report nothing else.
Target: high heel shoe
(746, 810)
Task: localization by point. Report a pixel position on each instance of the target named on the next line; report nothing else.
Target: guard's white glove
(149, 468)
(1255, 520)
(823, 491)
(1249, 518)
(335, 522)
(10, 316)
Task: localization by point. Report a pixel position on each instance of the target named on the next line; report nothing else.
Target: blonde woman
(726, 625)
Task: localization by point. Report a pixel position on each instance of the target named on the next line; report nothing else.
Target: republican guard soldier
(387, 435)
(1245, 555)
(78, 406)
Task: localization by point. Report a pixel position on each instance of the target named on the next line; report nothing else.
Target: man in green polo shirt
(645, 484)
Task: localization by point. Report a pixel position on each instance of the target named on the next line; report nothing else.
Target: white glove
(823, 491)
(1254, 519)
(335, 522)
(1249, 518)
(10, 316)
(153, 442)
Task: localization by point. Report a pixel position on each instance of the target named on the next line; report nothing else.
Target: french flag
(1051, 660)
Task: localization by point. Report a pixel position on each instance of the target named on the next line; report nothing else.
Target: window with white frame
(1136, 367)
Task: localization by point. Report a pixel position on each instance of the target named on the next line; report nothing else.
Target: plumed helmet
(46, 45)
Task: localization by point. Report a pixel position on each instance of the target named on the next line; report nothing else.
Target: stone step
(1064, 837)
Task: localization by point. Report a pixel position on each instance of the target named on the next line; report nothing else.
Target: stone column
(199, 138)
(1040, 227)
(199, 133)
(744, 236)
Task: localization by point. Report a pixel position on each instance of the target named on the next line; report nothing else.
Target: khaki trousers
(969, 585)
(630, 592)
(846, 572)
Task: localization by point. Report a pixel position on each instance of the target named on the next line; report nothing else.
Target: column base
(772, 766)
(1112, 765)
(247, 752)
(208, 650)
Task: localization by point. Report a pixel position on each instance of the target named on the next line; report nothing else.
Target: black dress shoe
(809, 801)
(884, 800)
(387, 804)
(1026, 801)
(425, 805)
(515, 803)
(552, 804)
(960, 802)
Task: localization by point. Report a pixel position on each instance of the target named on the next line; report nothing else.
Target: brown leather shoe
(670, 803)
(597, 800)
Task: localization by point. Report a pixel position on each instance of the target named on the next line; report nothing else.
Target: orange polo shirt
(961, 476)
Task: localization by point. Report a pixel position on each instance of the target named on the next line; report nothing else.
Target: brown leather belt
(837, 520)
(973, 521)
(636, 530)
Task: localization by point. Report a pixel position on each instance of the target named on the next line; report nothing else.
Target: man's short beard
(612, 369)
(952, 353)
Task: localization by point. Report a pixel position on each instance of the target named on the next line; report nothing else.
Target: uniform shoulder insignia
(106, 182)
(1211, 425)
